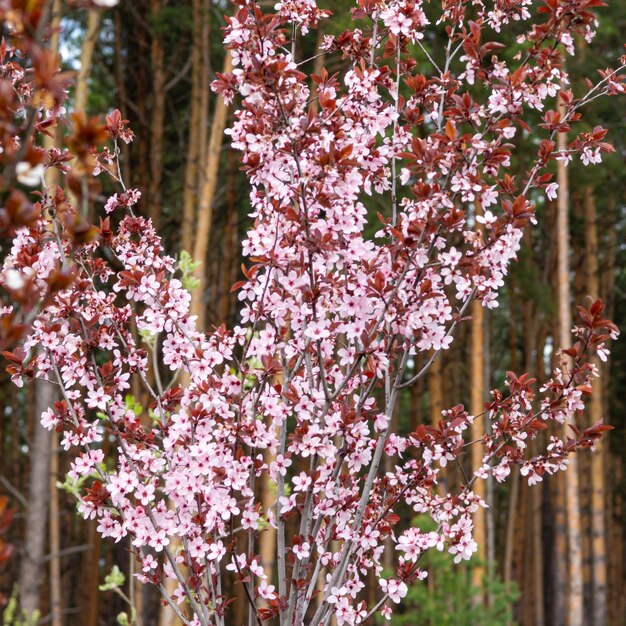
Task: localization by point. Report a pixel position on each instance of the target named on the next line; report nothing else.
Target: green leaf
(113, 580)
(187, 267)
(122, 619)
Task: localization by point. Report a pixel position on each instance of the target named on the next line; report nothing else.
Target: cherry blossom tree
(333, 321)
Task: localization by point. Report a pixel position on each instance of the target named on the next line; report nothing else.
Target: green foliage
(171, 22)
(187, 267)
(113, 580)
(447, 597)
(72, 486)
(11, 615)
(146, 337)
(131, 404)
(123, 619)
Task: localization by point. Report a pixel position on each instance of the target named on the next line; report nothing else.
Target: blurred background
(154, 60)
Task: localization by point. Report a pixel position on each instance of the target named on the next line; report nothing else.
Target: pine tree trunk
(491, 512)
(139, 92)
(54, 532)
(435, 407)
(536, 495)
(31, 563)
(477, 383)
(81, 92)
(571, 484)
(267, 538)
(616, 558)
(318, 64)
(597, 477)
(190, 190)
(228, 275)
(205, 74)
(519, 549)
(536, 500)
(205, 208)
(477, 399)
(86, 60)
(157, 118)
(435, 391)
(120, 85)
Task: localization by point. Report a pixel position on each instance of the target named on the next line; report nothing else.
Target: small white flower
(14, 279)
(487, 218)
(29, 175)
(551, 190)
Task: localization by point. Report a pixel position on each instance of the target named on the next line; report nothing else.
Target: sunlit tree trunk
(54, 530)
(597, 477)
(86, 60)
(477, 399)
(574, 610)
(491, 512)
(157, 119)
(81, 92)
(477, 383)
(267, 538)
(190, 190)
(578, 264)
(614, 494)
(435, 391)
(205, 207)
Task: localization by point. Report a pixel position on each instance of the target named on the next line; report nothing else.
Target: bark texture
(31, 564)
(598, 489)
(570, 478)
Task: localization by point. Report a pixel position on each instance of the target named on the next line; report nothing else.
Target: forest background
(154, 61)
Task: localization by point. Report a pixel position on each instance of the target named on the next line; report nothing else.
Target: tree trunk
(477, 400)
(570, 479)
(435, 391)
(157, 118)
(435, 407)
(31, 564)
(318, 64)
(477, 384)
(267, 538)
(597, 478)
(190, 191)
(54, 532)
(204, 86)
(230, 265)
(86, 60)
(205, 212)
(535, 365)
(616, 559)
(81, 92)
(120, 84)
